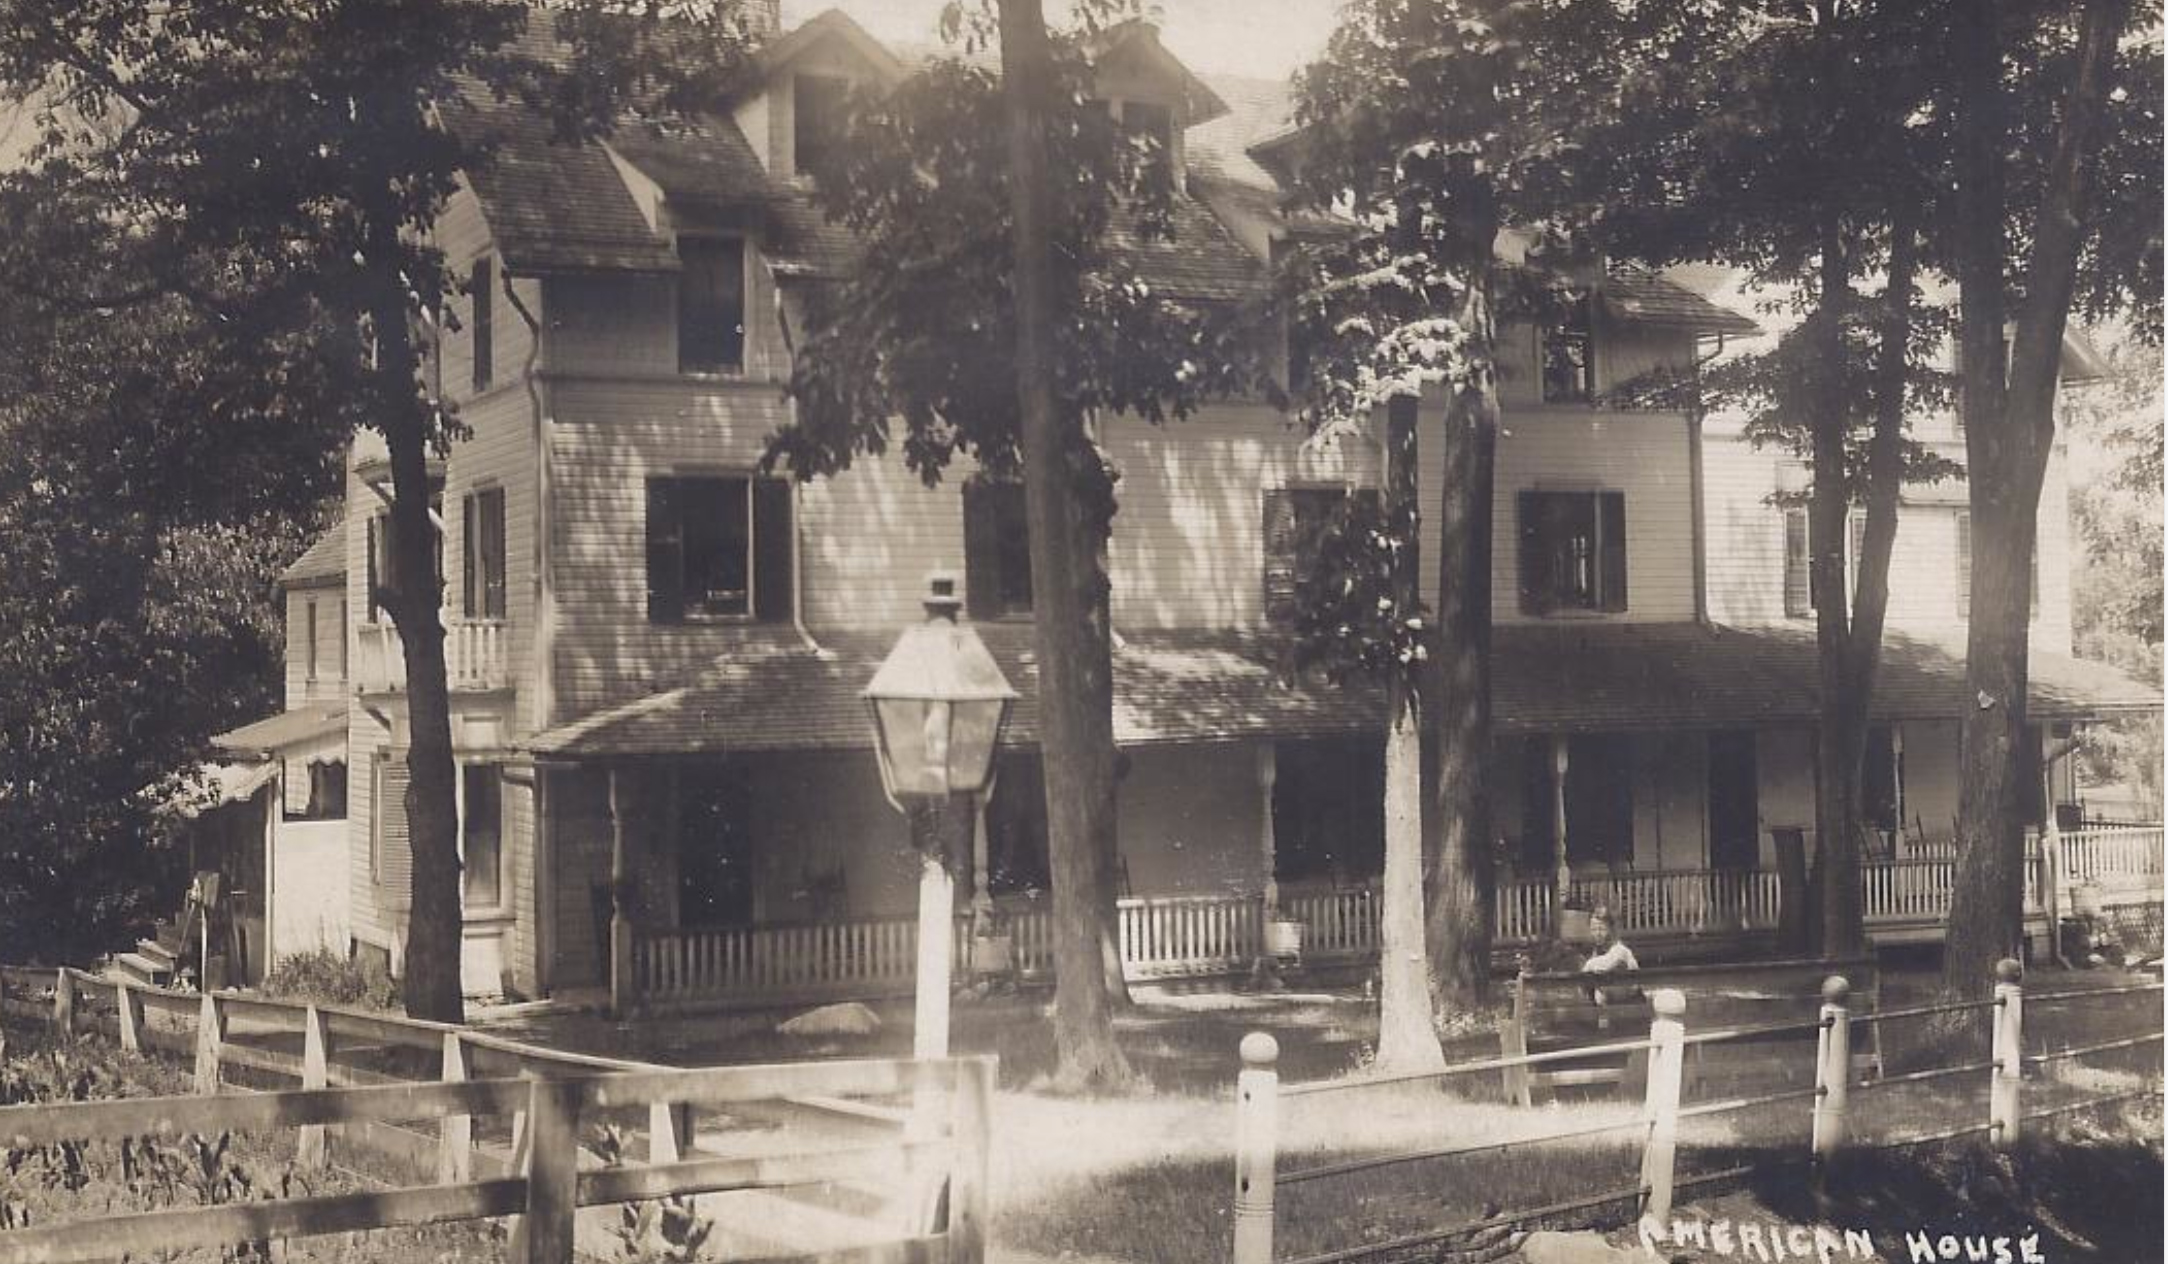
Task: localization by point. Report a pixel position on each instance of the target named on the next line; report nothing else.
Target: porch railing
(1187, 936)
(477, 656)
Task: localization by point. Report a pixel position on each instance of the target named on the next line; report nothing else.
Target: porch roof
(288, 728)
(775, 693)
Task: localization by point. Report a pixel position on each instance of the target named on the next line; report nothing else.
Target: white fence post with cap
(1257, 1122)
(1832, 1067)
(2009, 1051)
(1667, 1067)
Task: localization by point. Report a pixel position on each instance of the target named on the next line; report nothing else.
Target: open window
(711, 305)
(719, 548)
(1572, 551)
(819, 112)
(997, 550)
(482, 562)
(1569, 355)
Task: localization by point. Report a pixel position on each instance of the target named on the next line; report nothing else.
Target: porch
(1678, 913)
(477, 656)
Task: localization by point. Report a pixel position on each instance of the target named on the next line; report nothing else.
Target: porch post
(982, 895)
(622, 991)
(1268, 843)
(1559, 766)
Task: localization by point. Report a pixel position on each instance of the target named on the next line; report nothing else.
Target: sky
(1267, 39)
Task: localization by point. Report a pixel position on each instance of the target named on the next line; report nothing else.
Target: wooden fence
(1259, 1094)
(927, 1122)
(1905, 899)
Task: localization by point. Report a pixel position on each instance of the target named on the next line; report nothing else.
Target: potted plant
(993, 950)
(1283, 935)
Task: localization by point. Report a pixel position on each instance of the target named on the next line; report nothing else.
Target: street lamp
(938, 703)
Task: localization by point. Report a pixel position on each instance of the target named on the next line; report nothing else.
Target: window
(1569, 358)
(718, 548)
(711, 305)
(309, 622)
(1573, 551)
(485, 325)
(1801, 594)
(997, 550)
(342, 639)
(819, 109)
(1016, 857)
(482, 563)
(323, 792)
(1296, 519)
(481, 836)
(383, 558)
(1153, 122)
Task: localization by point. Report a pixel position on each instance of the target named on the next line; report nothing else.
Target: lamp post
(938, 703)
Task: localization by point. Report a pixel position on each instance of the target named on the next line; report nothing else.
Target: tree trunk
(2009, 430)
(1074, 647)
(430, 985)
(1461, 890)
(1840, 730)
(1407, 1031)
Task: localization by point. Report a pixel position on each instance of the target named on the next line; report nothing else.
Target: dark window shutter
(1611, 528)
(1535, 565)
(1282, 533)
(772, 551)
(982, 550)
(1798, 595)
(470, 546)
(1964, 563)
(665, 553)
(493, 581)
(371, 580)
(478, 286)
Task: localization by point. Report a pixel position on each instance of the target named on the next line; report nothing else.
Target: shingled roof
(323, 562)
(774, 692)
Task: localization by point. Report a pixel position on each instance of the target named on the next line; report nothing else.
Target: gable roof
(323, 562)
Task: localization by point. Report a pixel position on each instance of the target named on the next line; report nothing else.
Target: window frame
(1551, 600)
(1576, 324)
(483, 594)
(990, 578)
(732, 359)
(686, 611)
(493, 773)
(842, 85)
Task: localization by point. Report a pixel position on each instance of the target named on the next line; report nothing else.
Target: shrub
(329, 978)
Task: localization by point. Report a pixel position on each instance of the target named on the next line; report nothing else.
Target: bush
(328, 978)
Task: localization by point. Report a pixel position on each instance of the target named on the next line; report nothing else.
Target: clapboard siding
(328, 684)
(1746, 545)
(1188, 546)
(1643, 454)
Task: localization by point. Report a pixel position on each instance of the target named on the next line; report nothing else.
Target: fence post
(1257, 1111)
(455, 1135)
(64, 1004)
(309, 1147)
(970, 1145)
(210, 1034)
(1513, 1038)
(1832, 1068)
(544, 1234)
(2003, 1095)
(669, 1131)
(1667, 1066)
(128, 1016)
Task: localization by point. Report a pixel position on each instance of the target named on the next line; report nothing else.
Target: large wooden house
(656, 652)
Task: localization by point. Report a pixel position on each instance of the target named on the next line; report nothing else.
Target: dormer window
(1156, 122)
(1569, 357)
(818, 105)
(711, 305)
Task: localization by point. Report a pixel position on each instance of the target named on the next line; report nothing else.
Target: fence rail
(1190, 936)
(1258, 1094)
(942, 1139)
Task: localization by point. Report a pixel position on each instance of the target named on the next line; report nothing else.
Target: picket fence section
(1192, 936)
(940, 1141)
(1259, 1095)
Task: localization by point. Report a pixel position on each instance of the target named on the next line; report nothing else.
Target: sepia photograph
(1081, 631)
